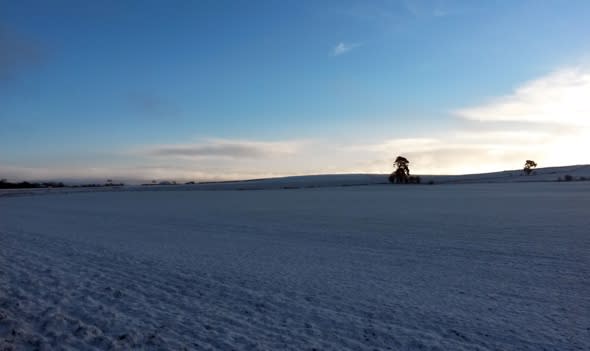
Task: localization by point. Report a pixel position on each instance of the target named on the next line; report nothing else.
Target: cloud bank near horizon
(546, 119)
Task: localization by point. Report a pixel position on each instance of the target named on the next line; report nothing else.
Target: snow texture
(503, 266)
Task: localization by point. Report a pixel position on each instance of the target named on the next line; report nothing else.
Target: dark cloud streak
(152, 106)
(224, 149)
(231, 151)
(17, 53)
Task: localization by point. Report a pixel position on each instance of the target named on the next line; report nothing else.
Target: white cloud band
(562, 97)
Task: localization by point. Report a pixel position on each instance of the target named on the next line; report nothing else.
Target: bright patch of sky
(194, 90)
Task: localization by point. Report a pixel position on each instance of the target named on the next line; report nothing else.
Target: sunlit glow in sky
(203, 90)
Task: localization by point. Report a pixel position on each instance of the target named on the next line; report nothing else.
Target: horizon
(201, 91)
(170, 181)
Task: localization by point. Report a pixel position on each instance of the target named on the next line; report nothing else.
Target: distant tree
(528, 166)
(402, 172)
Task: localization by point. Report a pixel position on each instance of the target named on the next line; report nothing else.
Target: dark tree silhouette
(392, 178)
(528, 166)
(402, 172)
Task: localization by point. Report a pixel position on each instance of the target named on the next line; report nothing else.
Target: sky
(208, 90)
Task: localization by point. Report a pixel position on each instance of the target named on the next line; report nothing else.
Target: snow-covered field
(547, 174)
(501, 266)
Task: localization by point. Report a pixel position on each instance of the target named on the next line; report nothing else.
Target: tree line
(4, 184)
(401, 174)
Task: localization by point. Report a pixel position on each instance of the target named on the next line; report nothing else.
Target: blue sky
(138, 90)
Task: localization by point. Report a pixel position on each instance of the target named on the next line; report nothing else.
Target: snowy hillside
(578, 172)
(549, 174)
(331, 180)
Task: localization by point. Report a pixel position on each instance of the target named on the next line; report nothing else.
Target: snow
(462, 267)
(548, 174)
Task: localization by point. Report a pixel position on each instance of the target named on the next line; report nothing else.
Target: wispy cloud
(562, 97)
(343, 48)
(427, 8)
